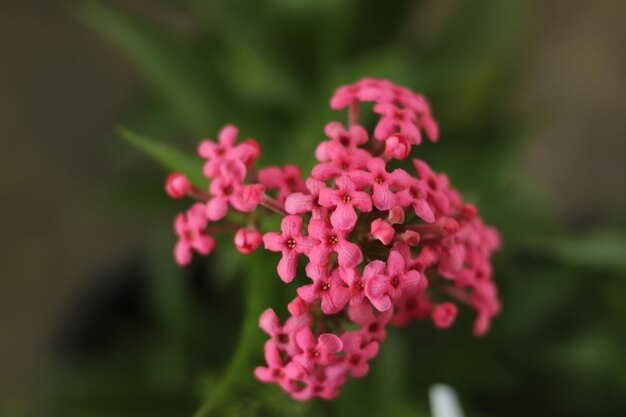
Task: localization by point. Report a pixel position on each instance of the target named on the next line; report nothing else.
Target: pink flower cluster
(382, 245)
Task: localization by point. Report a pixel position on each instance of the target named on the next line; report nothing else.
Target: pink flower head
(331, 240)
(444, 314)
(275, 370)
(327, 286)
(191, 234)
(225, 149)
(413, 195)
(351, 139)
(286, 180)
(342, 162)
(396, 120)
(228, 188)
(248, 240)
(291, 243)
(321, 351)
(382, 290)
(300, 203)
(382, 231)
(358, 353)
(177, 185)
(372, 325)
(435, 186)
(344, 200)
(283, 337)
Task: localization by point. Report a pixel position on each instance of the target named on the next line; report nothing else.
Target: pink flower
(321, 351)
(177, 185)
(395, 119)
(327, 286)
(380, 181)
(217, 153)
(382, 290)
(357, 282)
(332, 240)
(382, 231)
(291, 243)
(351, 139)
(413, 195)
(344, 199)
(286, 180)
(248, 240)
(275, 371)
(300, 203)
(191, 235)
(396, 215)
(358, 353)
(342, 162)
(227, 189)
(444, 314)
(410, 306)
(435, 186)
(283, 336)
(372, 325)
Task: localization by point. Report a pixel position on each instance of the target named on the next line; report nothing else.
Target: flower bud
(247, 240)
(396, 215)
(444, 314)
(397, 146)
(177, 185)
(382, 231)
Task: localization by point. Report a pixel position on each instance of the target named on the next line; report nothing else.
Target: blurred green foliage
(270, 67)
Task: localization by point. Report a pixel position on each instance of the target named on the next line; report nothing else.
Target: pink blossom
(344, 200)
(327, 286)
(248, 240)
(275, 371)
(291, 243)
(351, 139)
(283, 336)
(358, 353)
(342, 162)
(381, 181)
(372, 325)
(435, 186)
(356, 282)
(332, 240)
(228, 189)
(396, 215)
(300, 203)
(225, 149)
(286, 180)
(444, 314)
(321, 351)
(177, 185)
(413, 195)
(191, 234)
(382, 290)
(396, 120)
(411, 305)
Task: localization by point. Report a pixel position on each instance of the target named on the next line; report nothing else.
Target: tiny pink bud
(451, 227)
(411, 237)
(382, 231)
(247, 240)
(253, 193)
(469, 211)
(396, 215)
(177, 185)
(444, 314)
(397, 146)
(298, 307)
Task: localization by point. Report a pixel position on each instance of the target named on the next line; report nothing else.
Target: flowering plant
(383, 245)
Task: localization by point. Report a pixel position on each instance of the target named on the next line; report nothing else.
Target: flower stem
(240, 369)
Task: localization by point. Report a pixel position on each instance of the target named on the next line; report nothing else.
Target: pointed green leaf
(168, 156)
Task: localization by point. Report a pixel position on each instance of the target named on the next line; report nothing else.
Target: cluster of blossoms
(382, 245)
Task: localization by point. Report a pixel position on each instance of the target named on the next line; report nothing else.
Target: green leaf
(166, 60)
(168, 156)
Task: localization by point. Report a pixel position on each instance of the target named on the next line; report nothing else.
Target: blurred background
(97, 320)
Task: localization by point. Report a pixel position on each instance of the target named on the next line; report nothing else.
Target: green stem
(241, 366)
